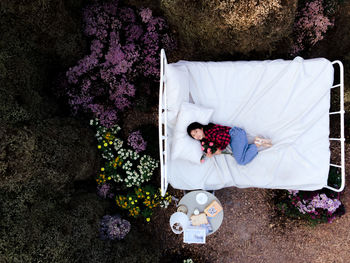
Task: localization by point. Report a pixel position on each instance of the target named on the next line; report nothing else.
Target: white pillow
(177, 89)
(183, 146)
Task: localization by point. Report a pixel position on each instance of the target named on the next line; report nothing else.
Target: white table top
(189, 200)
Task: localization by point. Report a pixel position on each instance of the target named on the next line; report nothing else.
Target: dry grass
(215, 28)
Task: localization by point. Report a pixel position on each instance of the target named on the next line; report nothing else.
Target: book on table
(213, 209)
(194, 234)
(197, 220)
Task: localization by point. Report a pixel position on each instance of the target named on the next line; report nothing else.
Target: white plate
(201, 198)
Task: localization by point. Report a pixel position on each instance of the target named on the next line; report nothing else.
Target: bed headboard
(163, 132)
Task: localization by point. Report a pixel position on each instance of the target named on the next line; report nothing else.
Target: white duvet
(287, 101)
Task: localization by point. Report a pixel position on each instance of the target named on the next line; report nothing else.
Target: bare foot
(262, 142)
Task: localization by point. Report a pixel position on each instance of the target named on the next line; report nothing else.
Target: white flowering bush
(125, 173)
(122, 165)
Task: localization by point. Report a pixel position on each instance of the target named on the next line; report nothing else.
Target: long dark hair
(197, 125)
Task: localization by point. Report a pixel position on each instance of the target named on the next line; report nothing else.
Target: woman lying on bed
(221, 136)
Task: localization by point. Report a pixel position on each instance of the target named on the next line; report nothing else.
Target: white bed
(285, 100)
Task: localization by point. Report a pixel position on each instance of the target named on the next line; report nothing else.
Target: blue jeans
(241, 150)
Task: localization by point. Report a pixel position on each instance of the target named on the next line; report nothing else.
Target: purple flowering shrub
(136, 141)
(104, 191)
(315, 206)
(113, 227)
(124, 51)
(311, 25)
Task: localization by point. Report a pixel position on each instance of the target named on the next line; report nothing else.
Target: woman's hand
(218, 151)
(209, 155)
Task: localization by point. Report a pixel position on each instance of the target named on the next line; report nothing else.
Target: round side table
(189, 200)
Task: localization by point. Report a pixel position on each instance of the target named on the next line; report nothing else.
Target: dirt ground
(251, 232)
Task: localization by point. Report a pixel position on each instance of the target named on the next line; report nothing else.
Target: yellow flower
(102, 169)
(135, 201)
(110, 142)
(105, 144)
(109, 178)
(147, 193)
(99, 146)
(148, 219)
(147, 197)
(130, 198)
(132, 202)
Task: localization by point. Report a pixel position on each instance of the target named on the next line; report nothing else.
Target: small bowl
(182, 208)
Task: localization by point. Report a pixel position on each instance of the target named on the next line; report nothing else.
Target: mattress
(285, 100)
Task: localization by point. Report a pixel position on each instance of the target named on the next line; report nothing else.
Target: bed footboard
(342, 137)
(163, 132)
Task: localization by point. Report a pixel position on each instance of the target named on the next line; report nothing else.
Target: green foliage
(38, 38)
(334, 178)
(142, 200)
(51, 230)
(45, 151)
(43, 218)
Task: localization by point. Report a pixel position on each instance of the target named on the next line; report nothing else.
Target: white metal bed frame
(163, 132)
